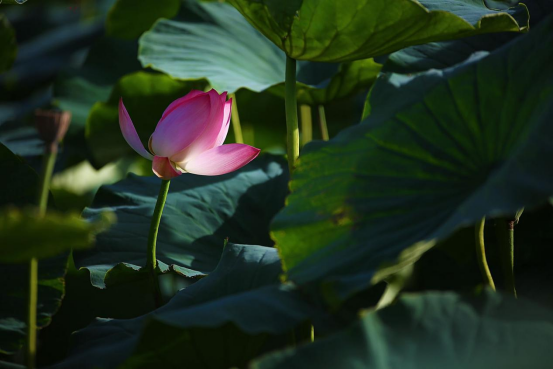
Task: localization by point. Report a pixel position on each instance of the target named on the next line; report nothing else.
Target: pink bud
(189, 137)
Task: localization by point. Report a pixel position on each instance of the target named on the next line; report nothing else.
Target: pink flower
(189, 137)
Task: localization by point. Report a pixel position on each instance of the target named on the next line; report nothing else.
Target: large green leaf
(449, 148)
(199, 214)
(8, 45)
(434, 330)
(221, 321)
(128, 19)
(333, 31)
(146, 95)
(219, 45)
(445, 54)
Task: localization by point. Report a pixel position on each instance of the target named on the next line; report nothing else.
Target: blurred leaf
(22, 187)
(146, 96)
(128, 19)
(78, 89)
(238, 311)
(331, 31)
(13, 294)
(193, 50)
(448, 149)
(74, 188)
(8, 44)
(199, 214)
(25, 235)
(433, 330)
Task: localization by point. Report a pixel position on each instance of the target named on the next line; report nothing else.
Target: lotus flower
(189, 137)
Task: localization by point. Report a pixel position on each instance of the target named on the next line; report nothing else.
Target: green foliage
(448, 149)
(8, 45)
(332, 31)
(21, 189)
(350, 79)
(25, 235)
(222, 31)
(199, 214)
(13, 294)
(225, 312)
(440, 55)
(455, 128)
(128, 19)
(78, 89)
(433, 330)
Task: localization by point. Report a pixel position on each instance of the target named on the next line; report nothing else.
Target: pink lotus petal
(224, 130)
(163, 168)
(209, 136)
(221, 160)
(181, 126)
(129, 132)
(181, 100)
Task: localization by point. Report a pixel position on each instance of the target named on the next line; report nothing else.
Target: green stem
(322, 123)
(481, 253)
(235, 118)
(49, 159)
(31, 318)
(291, 105)
(306, 124)
(151, 262)
(505, 230)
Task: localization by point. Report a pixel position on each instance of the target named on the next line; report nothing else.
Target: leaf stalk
(291, 106)
(481, 253)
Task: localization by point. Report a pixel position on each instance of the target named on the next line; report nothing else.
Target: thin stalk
(235, 119)
(306, 124)
(481, 253)
(31, 317)
(291, 105)
(322, 123)
(49, 159)
(151, 262)
(505, 230)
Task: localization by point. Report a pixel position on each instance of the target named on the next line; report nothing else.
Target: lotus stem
(505, 230)
(31, 317)
(291, 105)
(322, 123)
(235, 118)
(151, 262)
(481, 253)
(48, 161)
(306, 124)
